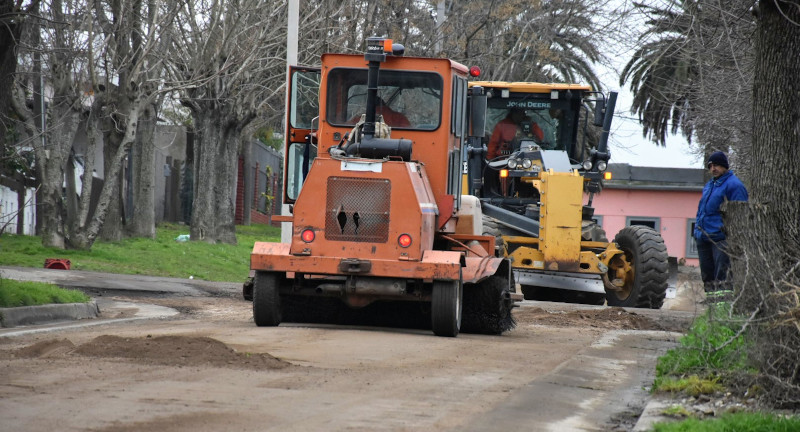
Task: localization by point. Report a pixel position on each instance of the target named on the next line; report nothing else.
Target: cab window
(531, 113)
(305, 99)
(406, 100)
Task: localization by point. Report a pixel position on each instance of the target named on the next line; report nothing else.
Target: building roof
(625, 176)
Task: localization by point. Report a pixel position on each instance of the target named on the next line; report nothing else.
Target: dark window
(652, 222)
(407, 100)
(691, 246)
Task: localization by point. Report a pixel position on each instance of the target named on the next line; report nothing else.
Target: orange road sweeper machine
(372, 178)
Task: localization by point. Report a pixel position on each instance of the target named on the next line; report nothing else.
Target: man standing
(708, 231)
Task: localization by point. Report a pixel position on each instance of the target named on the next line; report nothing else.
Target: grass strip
(19, 293)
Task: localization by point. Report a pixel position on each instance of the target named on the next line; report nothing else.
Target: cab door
(302, 121)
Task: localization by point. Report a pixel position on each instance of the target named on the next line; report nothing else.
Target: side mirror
(478, 102)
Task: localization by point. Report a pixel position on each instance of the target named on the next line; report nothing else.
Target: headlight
(587, 164)
(512, 163)
(602, 165)
(526, 163)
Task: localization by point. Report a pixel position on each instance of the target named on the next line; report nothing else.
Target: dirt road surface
(208, 368)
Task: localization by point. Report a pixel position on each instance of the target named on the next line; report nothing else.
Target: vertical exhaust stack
(369, 146)
(602, 146)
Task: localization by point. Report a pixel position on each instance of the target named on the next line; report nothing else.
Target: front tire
(446, 307)
(266, 299)
(645, 285)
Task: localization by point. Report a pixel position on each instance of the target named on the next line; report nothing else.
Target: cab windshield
(536, 119)
(406, 100)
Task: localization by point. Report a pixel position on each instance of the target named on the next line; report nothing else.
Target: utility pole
(291, 59)
(439, 21)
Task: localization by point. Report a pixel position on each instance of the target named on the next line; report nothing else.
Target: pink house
(662, 198)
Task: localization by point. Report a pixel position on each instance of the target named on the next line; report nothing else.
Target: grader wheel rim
(629, 278)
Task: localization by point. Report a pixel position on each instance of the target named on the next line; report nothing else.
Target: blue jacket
(727, 187)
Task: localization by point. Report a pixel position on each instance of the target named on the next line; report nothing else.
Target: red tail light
(307, 235)
(404, 240)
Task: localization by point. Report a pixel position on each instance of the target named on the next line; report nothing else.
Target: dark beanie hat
(718, 158)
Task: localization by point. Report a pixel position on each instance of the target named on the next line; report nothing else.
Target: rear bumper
(435, 265)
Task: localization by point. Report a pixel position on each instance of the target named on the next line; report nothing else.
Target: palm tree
(662, 71)
(520, 40)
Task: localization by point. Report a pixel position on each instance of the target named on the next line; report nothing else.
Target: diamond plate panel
(357, 209)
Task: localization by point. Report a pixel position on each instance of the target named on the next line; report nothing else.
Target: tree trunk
(215, 179)
(764, 234)
(51, 162)
(85, 235)
(777, 112)
(112, 227)
(247, 176)
(142, 222)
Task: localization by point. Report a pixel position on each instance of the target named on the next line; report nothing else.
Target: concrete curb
(652, 414)
(27, 315)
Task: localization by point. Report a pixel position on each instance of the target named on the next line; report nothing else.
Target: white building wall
(9, 208)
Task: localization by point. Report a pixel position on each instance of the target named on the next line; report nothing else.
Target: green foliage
(162, 256)
(267, 136)
(709, 348)
(177, 115)
(692, 385)
(677, 411)
(17, 293)
(739, 422)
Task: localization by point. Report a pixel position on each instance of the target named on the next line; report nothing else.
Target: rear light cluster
(308, 235)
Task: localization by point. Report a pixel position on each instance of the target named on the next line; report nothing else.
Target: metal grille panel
(357, 209)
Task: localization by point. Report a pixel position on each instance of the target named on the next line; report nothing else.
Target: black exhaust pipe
(369, 146)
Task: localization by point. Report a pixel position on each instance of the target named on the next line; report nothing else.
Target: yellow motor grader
(536, 178)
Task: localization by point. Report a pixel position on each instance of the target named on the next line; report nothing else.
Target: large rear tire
(266, 299)
(645, 286)
(446, 307)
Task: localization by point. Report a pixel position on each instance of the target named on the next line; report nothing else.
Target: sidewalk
(97, 285)
(101, 283)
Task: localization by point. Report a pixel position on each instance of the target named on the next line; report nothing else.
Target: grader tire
(266, 299)
(492, 228)
(645, 251)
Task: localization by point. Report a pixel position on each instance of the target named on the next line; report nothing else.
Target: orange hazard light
(607, 175)
(503, 173)
(387, 45)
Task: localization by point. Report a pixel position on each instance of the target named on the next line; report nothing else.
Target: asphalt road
(136, 367)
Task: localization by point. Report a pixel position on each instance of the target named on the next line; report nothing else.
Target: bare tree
(129, 28)
(767, 230)
(229, 56)
(64, 112)
(14, 16)
(84, 70)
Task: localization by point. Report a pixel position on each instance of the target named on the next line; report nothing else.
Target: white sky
(627, 144)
